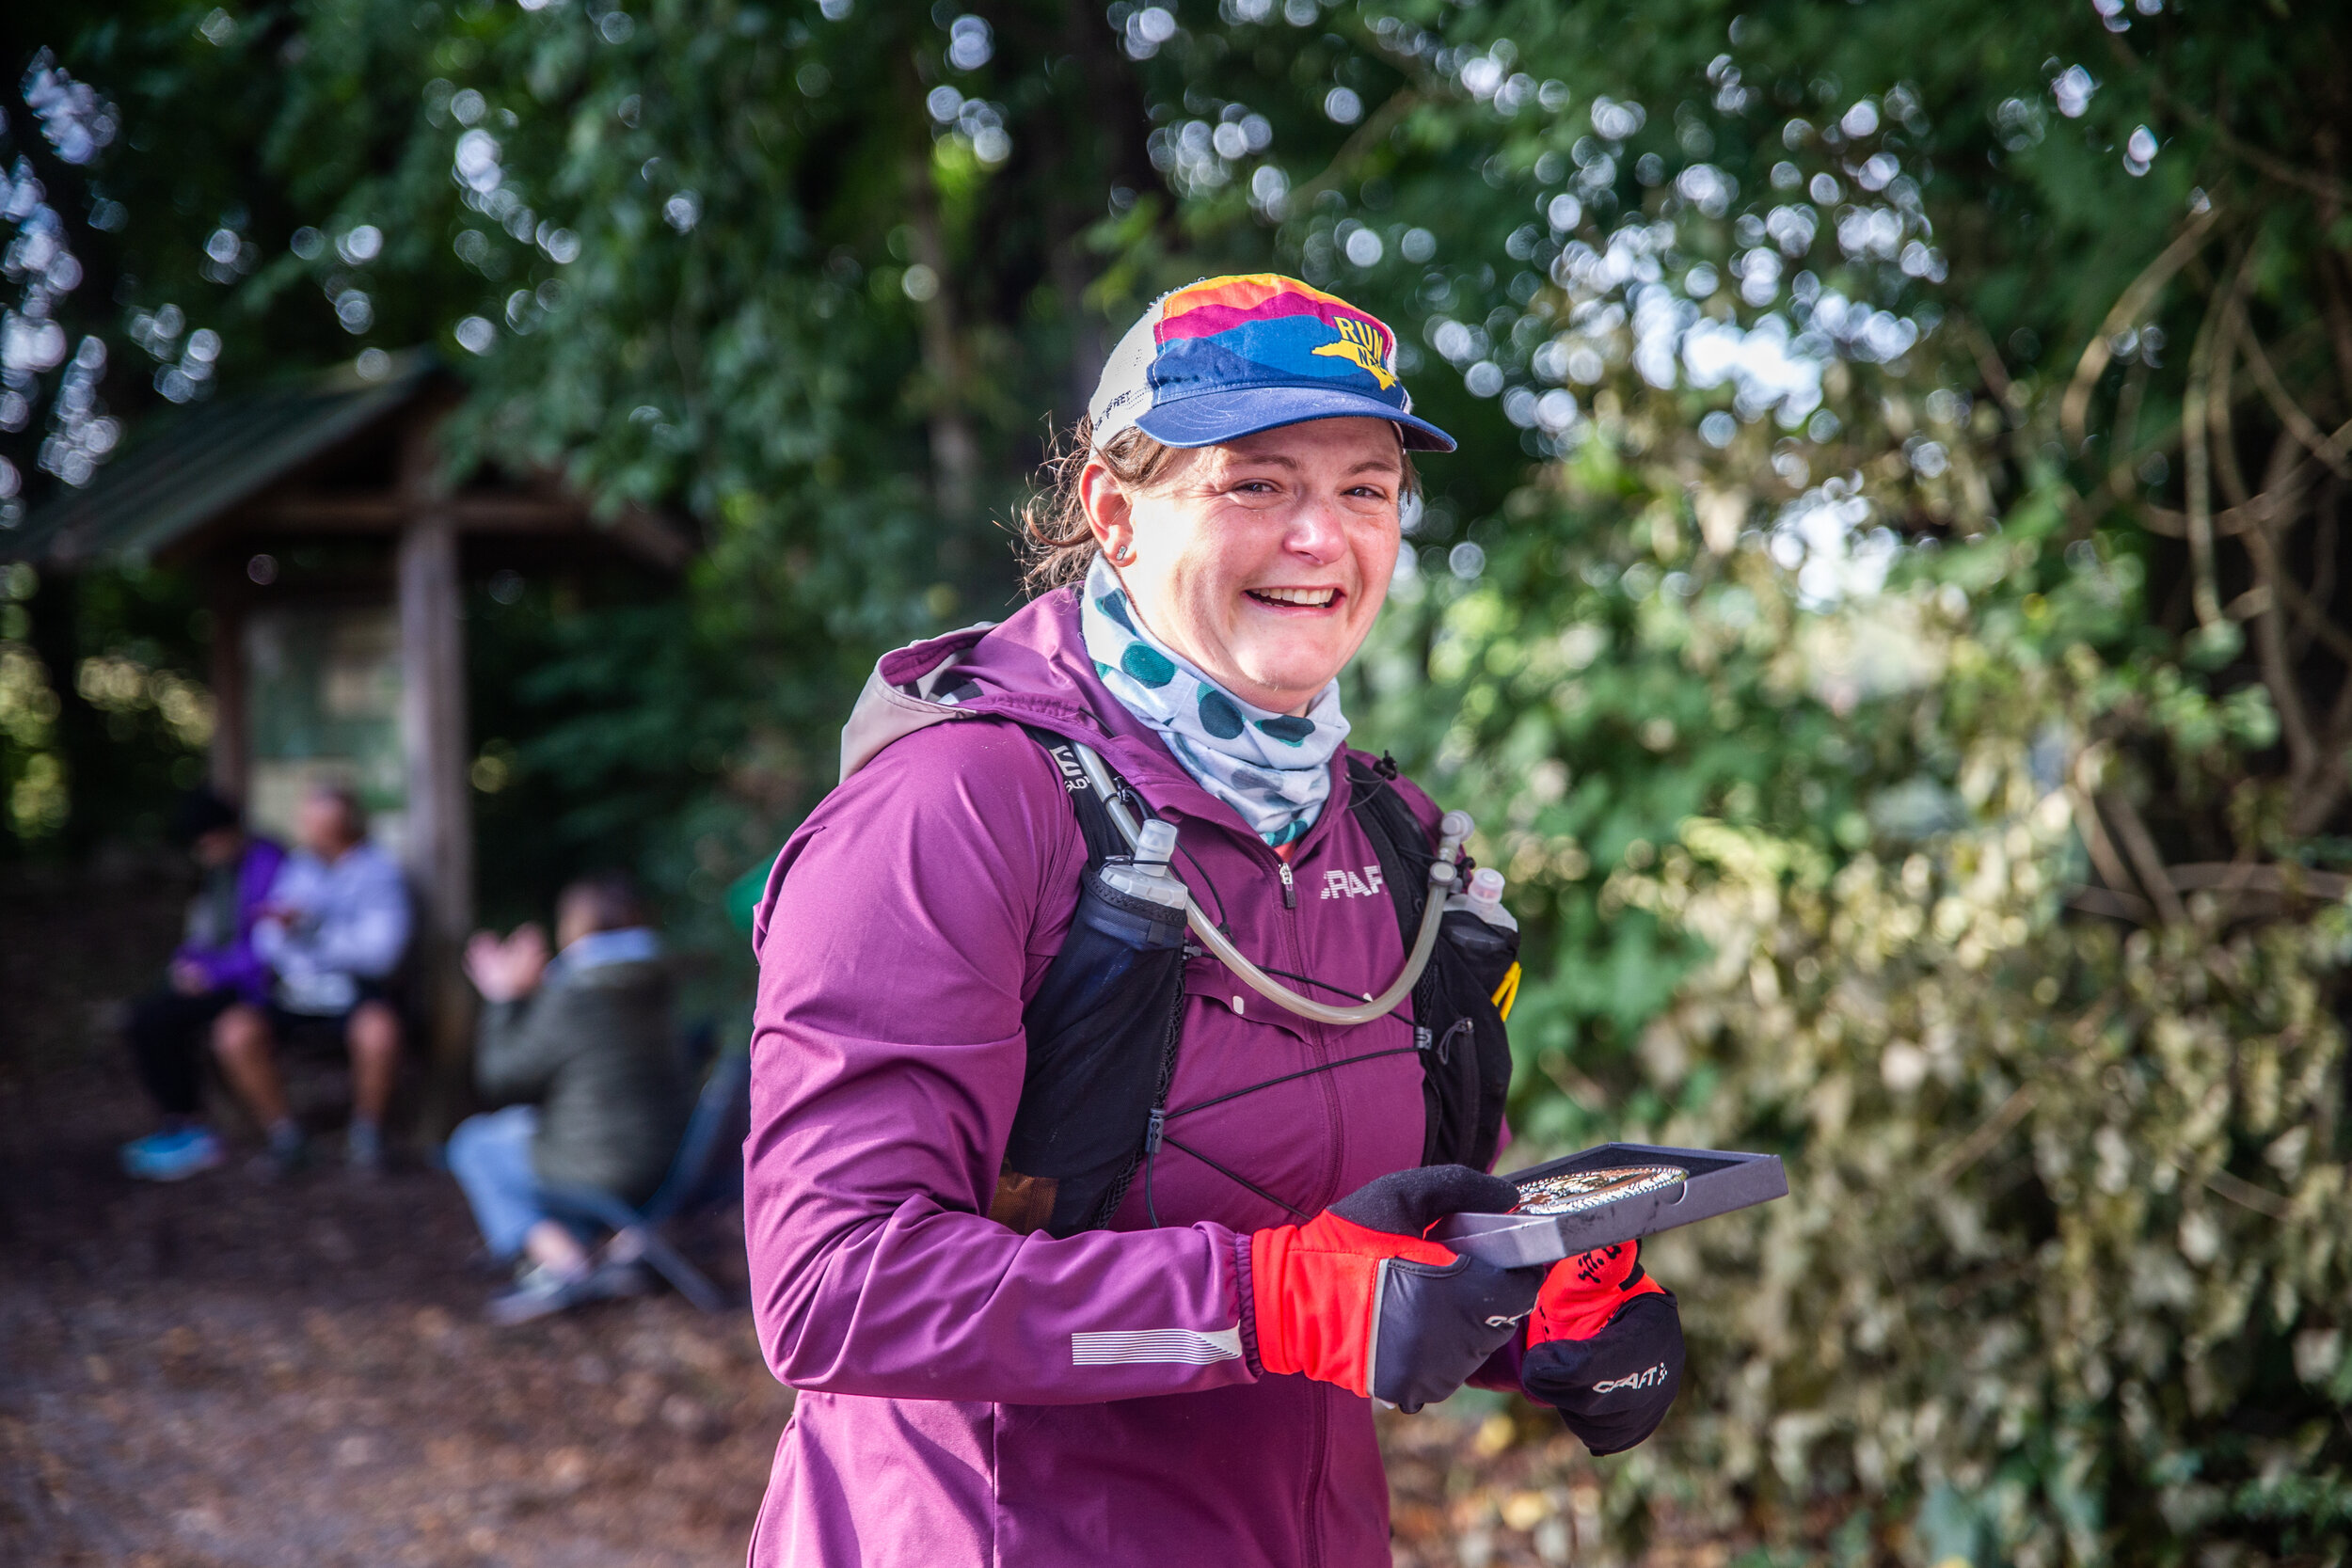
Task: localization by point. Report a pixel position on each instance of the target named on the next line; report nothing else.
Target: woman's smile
(1292, 601)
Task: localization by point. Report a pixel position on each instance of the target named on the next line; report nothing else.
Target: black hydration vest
(1107, 1017)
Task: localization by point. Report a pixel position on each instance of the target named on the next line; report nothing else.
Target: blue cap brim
(1211, 419)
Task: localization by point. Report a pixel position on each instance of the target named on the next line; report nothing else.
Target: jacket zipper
(1319, 1465)
(1320, 1037)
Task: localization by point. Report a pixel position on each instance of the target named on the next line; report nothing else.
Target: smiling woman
(1016, 1143)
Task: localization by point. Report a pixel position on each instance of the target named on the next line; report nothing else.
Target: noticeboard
(322, 704)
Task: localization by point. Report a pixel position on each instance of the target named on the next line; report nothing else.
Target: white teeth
(1314, 596)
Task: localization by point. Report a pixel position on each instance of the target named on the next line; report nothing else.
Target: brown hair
(1056, 537)
(1057, 542)
(609, 900)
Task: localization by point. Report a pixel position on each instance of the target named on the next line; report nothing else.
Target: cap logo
(1360, 343)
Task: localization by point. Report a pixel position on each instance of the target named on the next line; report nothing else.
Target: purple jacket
(973, 1395)
(233, 965)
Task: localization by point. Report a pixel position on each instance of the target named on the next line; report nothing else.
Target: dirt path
(220, 1374)
(223, 1372)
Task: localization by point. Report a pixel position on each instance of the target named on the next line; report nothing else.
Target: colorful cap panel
(1227, 357)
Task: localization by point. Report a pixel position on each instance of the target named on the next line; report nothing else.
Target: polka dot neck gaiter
(1273, 768)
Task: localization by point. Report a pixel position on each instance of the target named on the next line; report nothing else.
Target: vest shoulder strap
(1457, 1024)
(1094, 818)
(1103, 1027)
(1398, 838)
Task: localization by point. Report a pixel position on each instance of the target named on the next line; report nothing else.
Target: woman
(1185, 1378)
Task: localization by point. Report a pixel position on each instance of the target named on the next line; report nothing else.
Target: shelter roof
(191, 467)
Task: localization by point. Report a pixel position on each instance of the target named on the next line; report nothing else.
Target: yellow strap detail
(1507, 993)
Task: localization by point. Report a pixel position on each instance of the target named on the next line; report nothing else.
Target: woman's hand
(503, 971)
(1357, 1297)
(1604, 1348)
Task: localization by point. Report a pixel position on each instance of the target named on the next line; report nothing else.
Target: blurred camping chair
(707, 1173)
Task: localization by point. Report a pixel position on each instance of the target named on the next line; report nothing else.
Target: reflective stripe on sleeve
(1185, 1346)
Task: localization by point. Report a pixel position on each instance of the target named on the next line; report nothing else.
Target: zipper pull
(1290, 889)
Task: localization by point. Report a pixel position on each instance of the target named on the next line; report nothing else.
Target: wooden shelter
(334, 552)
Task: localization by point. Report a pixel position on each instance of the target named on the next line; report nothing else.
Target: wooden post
(232, 738)
(440, 850)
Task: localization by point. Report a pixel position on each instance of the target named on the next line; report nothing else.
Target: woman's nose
(1318, 531)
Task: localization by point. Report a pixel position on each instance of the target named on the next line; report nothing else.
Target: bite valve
(1453, 828)
(1155, 843)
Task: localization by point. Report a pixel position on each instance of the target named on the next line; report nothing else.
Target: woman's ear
(1109, 515)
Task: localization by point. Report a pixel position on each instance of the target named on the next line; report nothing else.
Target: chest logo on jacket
(1346, 884)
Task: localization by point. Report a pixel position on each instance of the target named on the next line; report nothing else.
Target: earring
(1123, 556)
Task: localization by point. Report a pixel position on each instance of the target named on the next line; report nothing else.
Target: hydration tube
(1454, 827)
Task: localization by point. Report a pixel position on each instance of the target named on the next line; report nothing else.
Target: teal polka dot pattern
(1274, 769)
(1289, 728)
(1147, 664)
(1218, 715)
(1115, 605)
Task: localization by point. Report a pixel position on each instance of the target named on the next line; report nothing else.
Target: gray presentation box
(1720, 1180)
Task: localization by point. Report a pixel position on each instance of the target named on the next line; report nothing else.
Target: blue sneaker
(174, 1155)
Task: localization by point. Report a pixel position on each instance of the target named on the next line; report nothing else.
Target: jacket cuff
(1246, 1282)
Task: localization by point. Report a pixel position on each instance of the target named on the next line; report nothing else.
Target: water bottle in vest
(1148, 876)
(1484, 898)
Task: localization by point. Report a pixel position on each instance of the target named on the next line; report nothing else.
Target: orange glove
(1355, 1297)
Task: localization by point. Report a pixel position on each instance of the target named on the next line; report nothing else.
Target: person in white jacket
(333, 930)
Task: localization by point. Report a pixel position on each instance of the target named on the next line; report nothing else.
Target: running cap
(1228, 356)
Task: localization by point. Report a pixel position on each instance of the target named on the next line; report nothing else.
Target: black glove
(1604, 1348)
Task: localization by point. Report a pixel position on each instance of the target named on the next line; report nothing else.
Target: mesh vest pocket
(1465, 1084)
(1102, 1034)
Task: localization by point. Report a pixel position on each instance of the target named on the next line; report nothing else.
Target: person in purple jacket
(1188, 1377)
(214, 968)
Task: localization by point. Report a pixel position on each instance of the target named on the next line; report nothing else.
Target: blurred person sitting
(213, 968)
(333, 928)
(585, 1044)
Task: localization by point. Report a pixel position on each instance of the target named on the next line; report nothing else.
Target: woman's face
(1263, 561)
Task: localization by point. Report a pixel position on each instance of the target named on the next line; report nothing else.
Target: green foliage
(1884, 613)
(103, 713)
(2056, 1282)
(29, 772)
